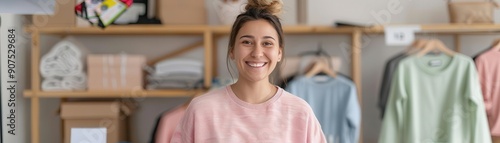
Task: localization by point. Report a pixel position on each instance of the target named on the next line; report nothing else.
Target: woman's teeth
(256, 65)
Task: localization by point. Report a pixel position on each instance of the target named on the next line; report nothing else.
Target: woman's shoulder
(212, 97)
(212, 100)
(292, 101)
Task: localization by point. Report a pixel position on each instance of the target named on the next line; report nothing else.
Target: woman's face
(256, 50)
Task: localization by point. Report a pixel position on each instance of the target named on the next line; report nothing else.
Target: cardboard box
(181, 12)
(115, 72)
(64, 15)
(109, 115)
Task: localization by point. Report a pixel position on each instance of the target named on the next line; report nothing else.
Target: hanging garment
(221, 117)
(435, 98)
(335, 104)
(157, 124)
(480, 53)
(488, 66)
(390, 68)
(168, 123)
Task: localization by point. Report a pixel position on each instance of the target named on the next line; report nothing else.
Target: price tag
(400, 35)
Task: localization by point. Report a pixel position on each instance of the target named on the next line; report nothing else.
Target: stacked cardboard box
(115, 72)
(87, 115)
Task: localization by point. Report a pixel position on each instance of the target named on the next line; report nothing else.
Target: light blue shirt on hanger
(335, 104)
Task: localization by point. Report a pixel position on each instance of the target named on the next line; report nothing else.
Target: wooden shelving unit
(210, 36)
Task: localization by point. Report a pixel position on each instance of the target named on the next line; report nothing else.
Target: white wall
(322, 12)
(9, 21)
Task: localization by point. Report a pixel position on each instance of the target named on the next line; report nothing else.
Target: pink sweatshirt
(221, 117)
(488, 66)
(167, 124)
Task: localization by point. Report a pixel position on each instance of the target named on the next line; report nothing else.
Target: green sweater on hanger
(435, 99)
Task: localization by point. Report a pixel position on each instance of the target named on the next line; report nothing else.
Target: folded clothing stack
(62, 68)
(176, 74)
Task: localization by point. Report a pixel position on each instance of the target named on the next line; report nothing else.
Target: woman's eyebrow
(247, 36)
(269, 37)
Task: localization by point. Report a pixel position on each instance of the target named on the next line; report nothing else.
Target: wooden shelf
(298, 29)
(182, 30)
(112, 94)
(124, 30)
(450, 28)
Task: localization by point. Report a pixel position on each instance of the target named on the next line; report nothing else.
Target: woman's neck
(254, 92)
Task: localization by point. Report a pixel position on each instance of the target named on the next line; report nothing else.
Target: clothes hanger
(435, 45)
(416, 46)
(320, 67)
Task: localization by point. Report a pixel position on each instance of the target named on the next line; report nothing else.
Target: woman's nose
(257, 51)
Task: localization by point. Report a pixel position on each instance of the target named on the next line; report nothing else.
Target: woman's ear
(280, 54)
(231, 55)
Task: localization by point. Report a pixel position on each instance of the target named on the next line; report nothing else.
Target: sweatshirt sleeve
(314, 132)
(480, 132)
(161, 134)
(353, 116)
(184, 132)
(392, 124)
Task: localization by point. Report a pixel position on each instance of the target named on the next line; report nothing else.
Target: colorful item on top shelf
(63, 67)
(115, 72)
(102, 12)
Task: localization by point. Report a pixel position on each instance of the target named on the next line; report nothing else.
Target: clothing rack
(211, 35)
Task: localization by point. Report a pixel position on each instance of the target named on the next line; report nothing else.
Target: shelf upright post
(215, 51)
(458, 46)
(35, 86)
(208, 39)
(356, 61)
(356, 69)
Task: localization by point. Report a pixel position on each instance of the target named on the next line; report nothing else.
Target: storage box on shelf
(112, 116)
(63, 15)
(181, 12)
(115, 72)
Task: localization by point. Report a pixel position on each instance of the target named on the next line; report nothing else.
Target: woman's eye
(268, 44)
(246, 42)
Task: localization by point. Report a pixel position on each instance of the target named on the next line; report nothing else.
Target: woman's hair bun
(271, 6)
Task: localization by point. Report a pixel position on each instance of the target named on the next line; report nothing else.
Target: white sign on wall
(400, 35)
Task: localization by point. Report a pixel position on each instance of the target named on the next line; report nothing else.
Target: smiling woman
(252, 109)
